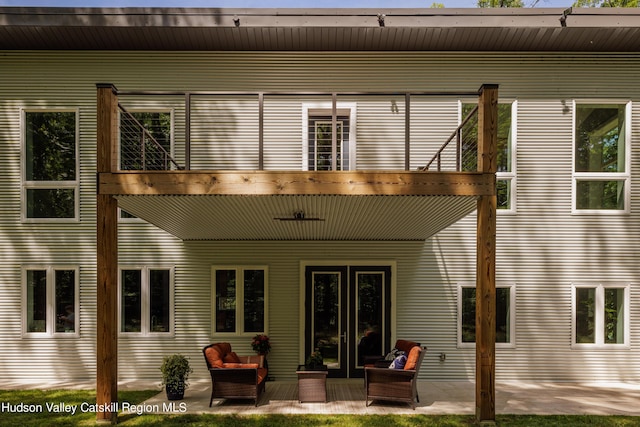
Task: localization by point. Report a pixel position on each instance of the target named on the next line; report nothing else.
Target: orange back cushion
(412, 358)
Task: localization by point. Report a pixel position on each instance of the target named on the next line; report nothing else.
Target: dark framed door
(347, 315)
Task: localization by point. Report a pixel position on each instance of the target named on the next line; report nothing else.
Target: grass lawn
(38, 408)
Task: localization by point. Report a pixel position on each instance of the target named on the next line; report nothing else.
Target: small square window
(600, 315)
(505, 315)
(146, 301)
(50, 301)
(240, 300)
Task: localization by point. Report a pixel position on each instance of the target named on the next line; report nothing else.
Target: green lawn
(25, 408)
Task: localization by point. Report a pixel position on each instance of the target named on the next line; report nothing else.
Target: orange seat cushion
(412, 358)
(240, 365)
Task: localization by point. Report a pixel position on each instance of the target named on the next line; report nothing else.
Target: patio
(436, 398)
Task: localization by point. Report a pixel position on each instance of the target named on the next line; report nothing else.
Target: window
(146, 300)
(240, 300)
(505, 315)
(601, 157)
(50, 170)
(600, 315)
(50, 301)
(506, 167)
(320, 152)
(145, 126)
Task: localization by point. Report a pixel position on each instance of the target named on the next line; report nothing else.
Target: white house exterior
(565, 258)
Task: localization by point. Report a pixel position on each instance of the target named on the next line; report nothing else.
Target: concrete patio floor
(436, 397)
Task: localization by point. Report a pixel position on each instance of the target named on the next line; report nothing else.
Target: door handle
(344, 337)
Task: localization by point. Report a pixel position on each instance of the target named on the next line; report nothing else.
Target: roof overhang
(216, 29)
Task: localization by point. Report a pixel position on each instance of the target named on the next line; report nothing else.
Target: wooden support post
(486, 258)
(107, 260)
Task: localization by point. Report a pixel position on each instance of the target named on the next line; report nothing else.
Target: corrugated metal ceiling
(214, 29)
(341, 217)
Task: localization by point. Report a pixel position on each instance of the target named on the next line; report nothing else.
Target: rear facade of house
(322, 272)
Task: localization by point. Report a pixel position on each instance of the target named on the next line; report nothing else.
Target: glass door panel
(326, 317)
(369, 315)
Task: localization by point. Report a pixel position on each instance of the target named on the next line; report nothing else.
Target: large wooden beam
(297, 183)
(107, 261)
(486, 258)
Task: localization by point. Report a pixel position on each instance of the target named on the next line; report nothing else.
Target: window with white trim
(50, 297)
(239, 300)
(601, 154)
(600, 315)
(506, 158)
(505, 315)
(50, 167)
(146, 300)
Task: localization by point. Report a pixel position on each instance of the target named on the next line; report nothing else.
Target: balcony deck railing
(243, 124)
(139, 147)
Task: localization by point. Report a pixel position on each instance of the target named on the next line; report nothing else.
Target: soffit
(215, 29)
(342, 217)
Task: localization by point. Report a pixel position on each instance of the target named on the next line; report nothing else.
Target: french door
(347, 315)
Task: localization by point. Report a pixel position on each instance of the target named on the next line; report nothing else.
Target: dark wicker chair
(231, 379)
(394, 384)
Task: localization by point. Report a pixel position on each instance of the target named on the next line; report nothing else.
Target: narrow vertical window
(131, 301)
(506, 165)
(50, 165)
(601, 170)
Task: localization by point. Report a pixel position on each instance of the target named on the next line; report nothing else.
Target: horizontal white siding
(542, 249)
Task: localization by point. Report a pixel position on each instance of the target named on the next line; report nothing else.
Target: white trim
(625, 176)
(145, 315)
(50, 316)
(351, 106)
(239, 269)
(35, 185)
(512, 316)
(599, 318)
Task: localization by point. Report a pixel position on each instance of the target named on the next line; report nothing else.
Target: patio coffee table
(312, 383)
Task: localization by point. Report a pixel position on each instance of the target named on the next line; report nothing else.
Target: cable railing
(462, 156)
(145, 141)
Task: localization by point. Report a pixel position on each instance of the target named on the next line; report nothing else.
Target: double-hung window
(601, 157)
(506, 159)
(505, 315)
(239, 300)
(600, 315)
(50, 297)
(146, 300)
(50, 167)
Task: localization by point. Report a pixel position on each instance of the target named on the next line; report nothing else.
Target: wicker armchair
(395, 384)
(233, 376)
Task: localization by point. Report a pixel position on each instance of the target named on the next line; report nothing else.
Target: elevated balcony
(297, 166)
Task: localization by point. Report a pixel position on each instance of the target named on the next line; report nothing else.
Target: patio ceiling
(216, 29)
(326, 217)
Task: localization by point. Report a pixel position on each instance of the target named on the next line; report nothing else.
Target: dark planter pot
(175, 392)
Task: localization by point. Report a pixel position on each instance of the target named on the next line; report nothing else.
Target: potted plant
(260, 344)
(314, 361)
(175, 373)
